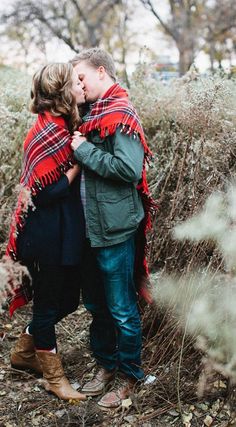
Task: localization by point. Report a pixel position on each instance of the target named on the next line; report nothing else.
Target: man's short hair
(96, 57)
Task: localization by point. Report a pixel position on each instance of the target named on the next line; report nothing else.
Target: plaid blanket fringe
(106, 115)
(47, 156)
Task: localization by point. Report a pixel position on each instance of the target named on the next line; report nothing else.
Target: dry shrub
(15, 122)
(190, 125)
(195, 313)
(11, 277)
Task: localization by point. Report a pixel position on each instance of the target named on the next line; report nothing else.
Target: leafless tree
(120, 39)
(76, 22)
(183, 26)
(220, 30)
(196, 25)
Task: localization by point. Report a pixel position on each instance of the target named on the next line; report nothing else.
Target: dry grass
(190, 125)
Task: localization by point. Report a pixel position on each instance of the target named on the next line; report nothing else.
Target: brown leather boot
(122, 389)
(98, 384)
(56, 381)
(23, 355)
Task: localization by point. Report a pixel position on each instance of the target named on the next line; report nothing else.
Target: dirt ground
(25, 403)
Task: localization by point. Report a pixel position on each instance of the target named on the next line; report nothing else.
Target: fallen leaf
(173, 413)
(126, 403)
(8, 326)
(208, 420)
(130, 419)
(60, 413)
(219, 384)
(202, 406)
(186, 419)
(36, 421)
(74, 402)
(197, 413)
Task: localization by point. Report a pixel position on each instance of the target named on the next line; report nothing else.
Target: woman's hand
(77, 140)
(72, 173)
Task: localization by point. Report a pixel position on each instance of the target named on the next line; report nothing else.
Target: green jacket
(112, 169)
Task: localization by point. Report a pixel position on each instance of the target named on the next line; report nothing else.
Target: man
(112, 157)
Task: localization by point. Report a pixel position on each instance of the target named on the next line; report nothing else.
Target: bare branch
(148, 4)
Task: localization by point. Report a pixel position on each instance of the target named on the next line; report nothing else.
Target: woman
(48, 229)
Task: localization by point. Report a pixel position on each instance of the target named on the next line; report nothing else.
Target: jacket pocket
(117, 212)
(96, 139)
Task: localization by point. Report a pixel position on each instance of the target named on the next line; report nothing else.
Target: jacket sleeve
(53, 192)
(125, 164)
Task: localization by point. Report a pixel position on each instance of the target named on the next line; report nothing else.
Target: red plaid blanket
(106, 114)
(47, 155)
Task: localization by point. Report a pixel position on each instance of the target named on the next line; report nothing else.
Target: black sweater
(54, 232)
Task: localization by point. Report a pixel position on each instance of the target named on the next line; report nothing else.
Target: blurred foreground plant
(205, 301)
(11, 276)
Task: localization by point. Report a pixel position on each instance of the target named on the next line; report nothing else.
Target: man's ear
(102, 72)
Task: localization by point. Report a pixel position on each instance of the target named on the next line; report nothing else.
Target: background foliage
(15, 121)
(190, 125)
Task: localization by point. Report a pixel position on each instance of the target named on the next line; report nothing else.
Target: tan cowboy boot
(23, 355)
(56, 381)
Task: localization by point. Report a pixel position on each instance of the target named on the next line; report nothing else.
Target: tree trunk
(212, 56)
(186, 59)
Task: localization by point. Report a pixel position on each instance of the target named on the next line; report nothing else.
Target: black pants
(56, 293)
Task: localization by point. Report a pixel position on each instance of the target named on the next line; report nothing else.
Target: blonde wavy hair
(51, 91)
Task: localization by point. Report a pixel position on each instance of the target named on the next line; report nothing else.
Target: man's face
(91, 80)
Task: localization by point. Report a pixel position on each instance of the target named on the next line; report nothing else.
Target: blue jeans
(109, 294)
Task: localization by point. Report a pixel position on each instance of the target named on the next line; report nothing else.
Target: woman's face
(77, 89)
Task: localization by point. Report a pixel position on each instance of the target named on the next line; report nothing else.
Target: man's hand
(77, 140)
